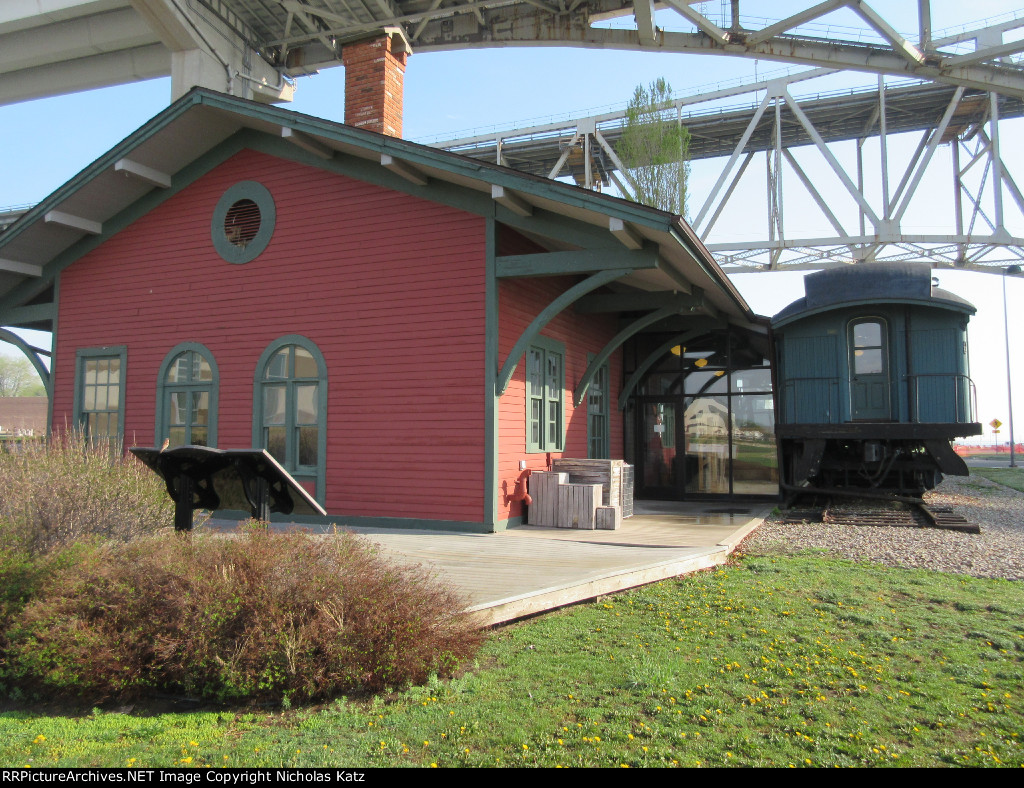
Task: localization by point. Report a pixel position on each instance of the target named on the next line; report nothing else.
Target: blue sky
(45, 142)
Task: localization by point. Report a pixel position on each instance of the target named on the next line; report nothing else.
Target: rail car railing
(943, 395)
(812, 400)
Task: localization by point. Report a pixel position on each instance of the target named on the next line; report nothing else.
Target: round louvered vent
(242, 222)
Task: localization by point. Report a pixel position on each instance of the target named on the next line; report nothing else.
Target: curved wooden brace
(31, 353)
(567, 298)
(651, 360)
(636, 326)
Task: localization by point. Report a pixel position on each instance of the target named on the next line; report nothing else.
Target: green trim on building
(53, 351)
(532, 331)
(633, 328)
(164, 389)
(491, 350)
(541, 423)
(318, 473)
(583, 261)
(32, 313)
(555, 225)
(32, 356)
(239, 252)
(341, 521)
(82, 357)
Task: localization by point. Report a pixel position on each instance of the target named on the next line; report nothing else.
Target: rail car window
(869, 374)
(868, 348)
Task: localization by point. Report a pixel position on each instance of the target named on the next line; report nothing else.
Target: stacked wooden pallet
(560, 501)
(614, 476)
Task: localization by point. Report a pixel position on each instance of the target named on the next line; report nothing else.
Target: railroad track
(865, 512)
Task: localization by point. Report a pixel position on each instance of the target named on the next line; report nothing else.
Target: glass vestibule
(703, 427)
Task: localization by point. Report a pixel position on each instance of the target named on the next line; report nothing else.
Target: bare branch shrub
(55, 493)
(255, 615)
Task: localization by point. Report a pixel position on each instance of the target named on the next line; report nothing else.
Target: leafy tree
(655, 149)
(18, 378)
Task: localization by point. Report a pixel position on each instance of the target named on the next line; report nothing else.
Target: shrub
(257, 615)
(59, 492)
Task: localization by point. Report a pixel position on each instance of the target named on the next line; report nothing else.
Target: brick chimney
(374, 76)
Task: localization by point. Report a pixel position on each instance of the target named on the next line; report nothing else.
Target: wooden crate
(543, 487)
(608, 518)
(560, 504)
(577, 505)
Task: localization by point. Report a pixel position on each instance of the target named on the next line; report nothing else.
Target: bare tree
(655, 149)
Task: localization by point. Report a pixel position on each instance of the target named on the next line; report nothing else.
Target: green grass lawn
(772, 661)
(1011, 477)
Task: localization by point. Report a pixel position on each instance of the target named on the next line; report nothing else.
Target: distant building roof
(23, 415)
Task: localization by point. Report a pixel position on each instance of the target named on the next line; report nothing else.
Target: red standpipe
(520, 493)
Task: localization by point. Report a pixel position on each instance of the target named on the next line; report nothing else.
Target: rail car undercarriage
(880, 460)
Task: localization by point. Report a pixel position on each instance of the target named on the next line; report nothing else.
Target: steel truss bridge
(950, 86)
(763, 122)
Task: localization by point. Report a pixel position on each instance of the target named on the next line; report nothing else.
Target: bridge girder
(254, 47)
(262, 41)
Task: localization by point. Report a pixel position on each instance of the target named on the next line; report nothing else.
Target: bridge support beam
(212, 53)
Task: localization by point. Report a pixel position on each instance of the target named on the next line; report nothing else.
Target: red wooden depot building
(402, 327)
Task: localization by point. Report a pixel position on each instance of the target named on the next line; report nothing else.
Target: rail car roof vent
(869, 281)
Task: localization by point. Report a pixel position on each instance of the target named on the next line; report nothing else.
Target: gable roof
(204, 127)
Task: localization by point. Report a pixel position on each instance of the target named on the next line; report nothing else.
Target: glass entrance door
(659, 472)
(708, 464)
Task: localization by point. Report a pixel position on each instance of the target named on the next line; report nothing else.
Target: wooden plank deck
(531, 569)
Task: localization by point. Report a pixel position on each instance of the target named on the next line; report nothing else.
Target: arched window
(289, 408)
(186, 411)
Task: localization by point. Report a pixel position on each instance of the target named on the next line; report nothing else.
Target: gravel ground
(998, 551)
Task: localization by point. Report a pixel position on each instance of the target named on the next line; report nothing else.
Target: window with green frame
(289, 411)
(545, 384)
(187, 397)
(597, 415)
(99, 392)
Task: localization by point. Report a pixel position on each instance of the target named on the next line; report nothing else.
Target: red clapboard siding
(390, 287)
(520, 301)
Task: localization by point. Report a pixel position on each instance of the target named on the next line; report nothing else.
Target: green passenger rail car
(872, 382)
